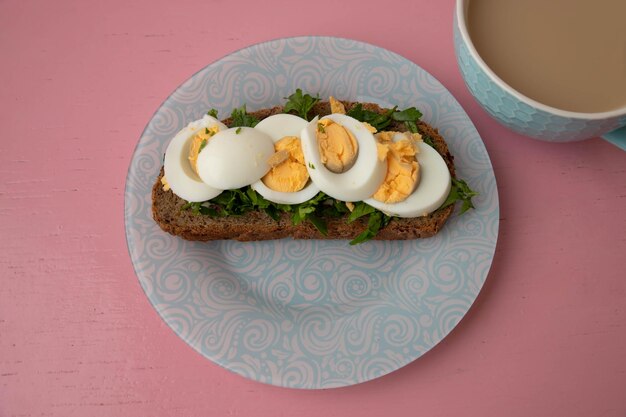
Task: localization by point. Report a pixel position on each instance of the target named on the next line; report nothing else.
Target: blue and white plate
(313, 314)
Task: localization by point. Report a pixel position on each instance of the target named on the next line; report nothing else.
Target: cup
(521, 113)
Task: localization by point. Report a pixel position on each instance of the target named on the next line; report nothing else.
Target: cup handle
(617, 137)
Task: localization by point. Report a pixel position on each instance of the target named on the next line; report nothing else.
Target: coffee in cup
(553, 70)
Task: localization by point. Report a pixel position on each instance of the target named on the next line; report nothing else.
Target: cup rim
(462, 26)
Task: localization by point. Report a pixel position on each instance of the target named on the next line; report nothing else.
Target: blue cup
(523, 114)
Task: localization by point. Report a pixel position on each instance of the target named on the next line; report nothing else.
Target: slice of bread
(168, 212)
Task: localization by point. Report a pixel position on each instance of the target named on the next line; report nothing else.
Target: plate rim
(408, 359)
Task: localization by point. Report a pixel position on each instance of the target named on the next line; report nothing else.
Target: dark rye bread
(167, 208)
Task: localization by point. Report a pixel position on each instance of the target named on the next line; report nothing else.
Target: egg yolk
(338, 147)
(288, 173)
(165, 184)
(402, 171)
(369, 127)
(336, 106)
(198, 142)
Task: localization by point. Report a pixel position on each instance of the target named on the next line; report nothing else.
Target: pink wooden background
(78, 82)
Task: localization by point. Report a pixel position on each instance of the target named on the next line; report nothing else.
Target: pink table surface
(79, 81)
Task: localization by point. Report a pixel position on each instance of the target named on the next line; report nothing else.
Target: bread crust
(168, 213)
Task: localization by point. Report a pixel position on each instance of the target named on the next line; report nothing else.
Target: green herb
(259, 202)
(243, 200)
(186, 206)
(320, 128)
(300, 103)
(319, 224)
(301, 213)
(283, 207)
(378, 120)
(425, 137)
(307, 211)
(311, 165)
(273, 212)
(333, 208)
(460, 191)
(428, 140)
(229, 202)
(198, 208)
(409, 116)
(255, 198)
(212, 112)
(376, 221)
(381, 121)
(360, 209)
(241, 117)
(340, 207)
(238, 131)
(203, 144)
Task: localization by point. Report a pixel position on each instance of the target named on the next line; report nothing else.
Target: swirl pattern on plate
(312, 314)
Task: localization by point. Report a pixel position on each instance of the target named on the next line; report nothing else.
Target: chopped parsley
(460, 191)
(428, 140)
(381, 121)
(202, 144)
(243, 200)
(238, 131)
(360, 209)
(241, 117)
(377, 220)
(300, 103)
(378, 120)
(409, 116)
(212, 113)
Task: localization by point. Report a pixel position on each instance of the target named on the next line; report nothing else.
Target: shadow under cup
(521, 113)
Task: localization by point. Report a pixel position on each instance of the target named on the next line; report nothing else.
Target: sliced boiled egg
(402, 167)
(235, 157)
(278, 126)
(431, 191)
(179, 169)
(287, 181)
(345, 163)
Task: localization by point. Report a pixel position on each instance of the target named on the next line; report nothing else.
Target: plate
(312, 314)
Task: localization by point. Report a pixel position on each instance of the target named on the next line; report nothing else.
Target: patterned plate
(312, 314)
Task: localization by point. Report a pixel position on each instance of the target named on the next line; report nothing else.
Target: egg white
(362, 179)
(235, 157)
(432, 190)
(183, 180)
(277, 127)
